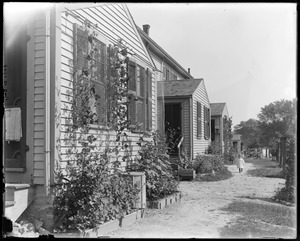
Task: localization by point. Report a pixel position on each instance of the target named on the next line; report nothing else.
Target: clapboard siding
(113, 24)
(200, 95)
(39, 99)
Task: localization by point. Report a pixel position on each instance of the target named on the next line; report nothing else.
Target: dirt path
(198, 215)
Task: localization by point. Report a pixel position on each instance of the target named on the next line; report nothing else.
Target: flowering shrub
(208, 163)
(154, 161)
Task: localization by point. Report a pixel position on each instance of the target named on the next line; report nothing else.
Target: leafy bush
(90, 195)
(287, 193)
(154, 161)
(185, 161)
(214, 148)
(208, 163)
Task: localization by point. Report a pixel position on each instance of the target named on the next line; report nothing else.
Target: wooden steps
(17, 199)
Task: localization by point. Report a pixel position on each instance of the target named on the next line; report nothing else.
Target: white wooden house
(40, 52)
(183, 101)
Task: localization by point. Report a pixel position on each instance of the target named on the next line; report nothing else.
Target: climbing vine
(228, 148)
(91, 188)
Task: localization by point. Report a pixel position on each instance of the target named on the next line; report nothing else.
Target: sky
(245, 52)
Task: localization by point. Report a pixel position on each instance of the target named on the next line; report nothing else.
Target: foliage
(249, 131)
(228, 148)
(287, 193)
(172, 138)
(214, 148)
(276, 120)
(221, 174)
(91, 188)
(185, 161)
(154, 161)
(93, 197)
(208, 163)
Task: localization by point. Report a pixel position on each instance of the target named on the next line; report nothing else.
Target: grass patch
(260, 220)
(274, 172)
(223, 174)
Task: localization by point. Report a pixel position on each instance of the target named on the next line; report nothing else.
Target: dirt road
(199, 213)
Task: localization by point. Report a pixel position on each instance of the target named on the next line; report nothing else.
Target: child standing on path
(240, 163)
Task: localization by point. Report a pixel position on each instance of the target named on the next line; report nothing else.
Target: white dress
(240, 163)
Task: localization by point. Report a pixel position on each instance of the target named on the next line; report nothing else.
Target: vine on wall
(89, 192)
(228, 148)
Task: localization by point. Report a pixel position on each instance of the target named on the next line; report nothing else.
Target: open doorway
(173, 126)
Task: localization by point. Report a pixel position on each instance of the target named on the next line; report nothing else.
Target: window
(199, 120)
(140, 105)
(93, 58)
(90, 60)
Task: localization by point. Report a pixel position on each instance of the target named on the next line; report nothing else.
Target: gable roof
(177, 87)
(217, 108)
(105, 20)
(155, 48)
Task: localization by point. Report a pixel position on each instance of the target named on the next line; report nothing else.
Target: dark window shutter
(208, 123)
(199, 120)
(108, 86)
(142, 81)
(132, 88)
(140, 115)
(149, 100)
(80, 38)
(205, 123)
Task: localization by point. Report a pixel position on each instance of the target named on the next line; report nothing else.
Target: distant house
(218, 113)
(183, 102)
(237, 143)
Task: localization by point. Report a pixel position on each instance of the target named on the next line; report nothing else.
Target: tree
(249, 131)
(276, 120)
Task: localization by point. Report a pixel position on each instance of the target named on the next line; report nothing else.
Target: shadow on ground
(260, 220)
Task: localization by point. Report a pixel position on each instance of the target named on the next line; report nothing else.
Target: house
(237, 143)
(44, 51)
(183, 103)
(218, 114)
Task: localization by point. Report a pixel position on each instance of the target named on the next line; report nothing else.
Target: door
(173, 127)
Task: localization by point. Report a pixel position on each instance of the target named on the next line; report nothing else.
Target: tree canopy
(249, 131)
(275, 120)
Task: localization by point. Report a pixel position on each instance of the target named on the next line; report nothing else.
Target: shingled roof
(217, 108)
(177, 87)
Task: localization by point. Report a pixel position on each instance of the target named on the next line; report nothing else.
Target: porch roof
(171, 88)
(217, 108)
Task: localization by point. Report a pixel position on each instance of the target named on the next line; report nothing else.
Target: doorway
(15, 86)
(173, 129)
